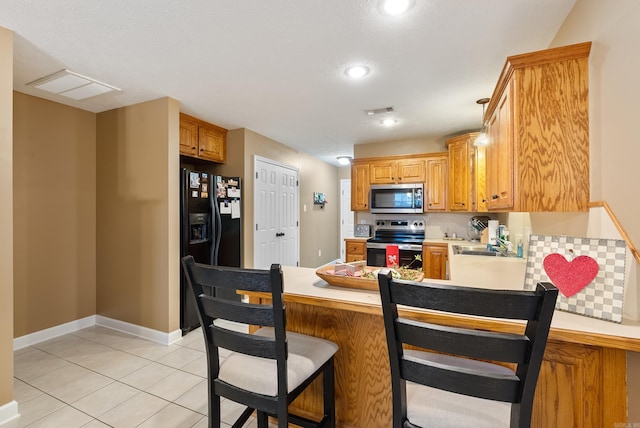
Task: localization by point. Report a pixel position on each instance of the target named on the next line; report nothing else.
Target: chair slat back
(202, 278)
(510, 304)
(504, 347)
(525, 349)
(455, 379)
(237, 311)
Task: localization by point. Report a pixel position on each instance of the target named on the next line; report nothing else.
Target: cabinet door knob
(495, 197)
(194, 147)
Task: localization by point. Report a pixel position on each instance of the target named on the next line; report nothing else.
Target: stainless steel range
(406, 234)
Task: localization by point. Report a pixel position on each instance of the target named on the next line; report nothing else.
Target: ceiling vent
(72, 85)
(379, 111)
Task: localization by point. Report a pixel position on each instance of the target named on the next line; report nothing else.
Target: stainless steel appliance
(397, 198)
(406, 234)
(210, 230)
(362, 230)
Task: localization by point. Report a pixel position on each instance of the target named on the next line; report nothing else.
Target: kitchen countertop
(304, 286)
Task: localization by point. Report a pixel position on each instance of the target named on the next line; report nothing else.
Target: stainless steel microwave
(397, 198)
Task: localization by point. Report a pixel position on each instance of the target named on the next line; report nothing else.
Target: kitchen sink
(475, 250)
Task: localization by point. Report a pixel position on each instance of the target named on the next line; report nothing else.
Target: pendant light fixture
(482, 139)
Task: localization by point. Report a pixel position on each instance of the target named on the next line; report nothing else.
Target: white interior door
(347, 217)
(276, 237)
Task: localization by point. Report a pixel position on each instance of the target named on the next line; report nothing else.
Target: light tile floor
(98, 377)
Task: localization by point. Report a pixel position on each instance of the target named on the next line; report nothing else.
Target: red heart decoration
(570, 277)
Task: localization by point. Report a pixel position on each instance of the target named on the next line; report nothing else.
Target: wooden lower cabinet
(355, 250)
(434, 260)
(580, 386)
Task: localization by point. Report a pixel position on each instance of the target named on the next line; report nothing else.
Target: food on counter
(369, 272)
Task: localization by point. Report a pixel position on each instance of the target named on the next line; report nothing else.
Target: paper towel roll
(493, 231)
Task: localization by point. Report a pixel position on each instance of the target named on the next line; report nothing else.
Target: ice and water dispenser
(198, 228)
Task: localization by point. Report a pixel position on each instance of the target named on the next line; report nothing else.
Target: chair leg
(329, 394)
(214, 410)
(263, 419)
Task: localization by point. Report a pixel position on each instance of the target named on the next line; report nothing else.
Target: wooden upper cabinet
(479, 179)
(188, 138)
(202, 140)
(382, 171)
(212, 143)
(360, 186)
(410, 171)
(500, 164)
(461, 177)
(537, 158)
(428, 168)
(436, 183)
(397, 171)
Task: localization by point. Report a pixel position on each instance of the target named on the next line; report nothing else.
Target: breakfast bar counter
(582, 381)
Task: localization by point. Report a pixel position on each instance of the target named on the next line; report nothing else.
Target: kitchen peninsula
(584, 365)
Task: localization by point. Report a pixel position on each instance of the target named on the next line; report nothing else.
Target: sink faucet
(503, 247)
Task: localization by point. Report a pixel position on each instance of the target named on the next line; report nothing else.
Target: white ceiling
(276, 66)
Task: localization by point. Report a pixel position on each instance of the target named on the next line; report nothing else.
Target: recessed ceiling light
(357, 71)
(388, 122)
(395, 7)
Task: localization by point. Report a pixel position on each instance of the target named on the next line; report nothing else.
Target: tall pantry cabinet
(538, 124)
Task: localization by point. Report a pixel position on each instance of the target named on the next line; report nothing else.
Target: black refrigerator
(210, 231)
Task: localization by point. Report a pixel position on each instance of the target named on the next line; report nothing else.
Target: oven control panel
(401, 224)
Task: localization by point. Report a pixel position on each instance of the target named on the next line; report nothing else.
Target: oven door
(377, 254)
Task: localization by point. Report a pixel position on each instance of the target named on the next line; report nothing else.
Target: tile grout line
(111, 378)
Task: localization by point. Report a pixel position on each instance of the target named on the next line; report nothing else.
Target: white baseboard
(50, 333)
(90, 321)
(140, 331)
(9, 412)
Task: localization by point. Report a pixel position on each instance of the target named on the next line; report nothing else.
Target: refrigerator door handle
(217, 229)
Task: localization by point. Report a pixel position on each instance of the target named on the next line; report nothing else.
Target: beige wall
(614, 103)
(614, 95)
(318, 227)
(54, 214)
(138, 214)
(6, 217)
(399, 147)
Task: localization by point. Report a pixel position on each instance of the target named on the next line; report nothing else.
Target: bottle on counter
(519, 250)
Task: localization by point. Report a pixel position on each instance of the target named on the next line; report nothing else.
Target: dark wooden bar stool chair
(266, 370)
(451, 387)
